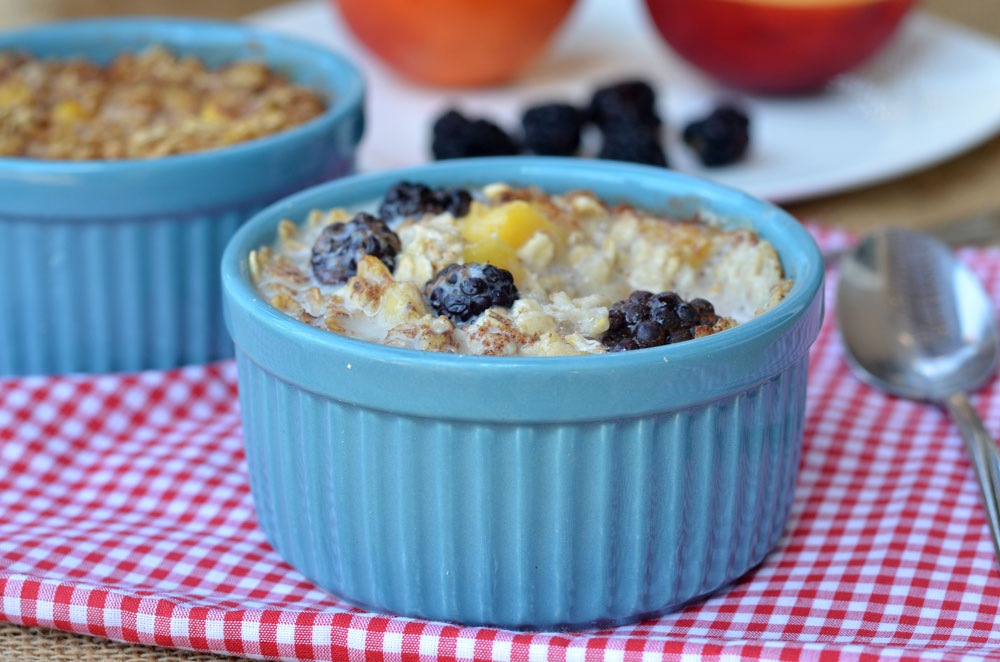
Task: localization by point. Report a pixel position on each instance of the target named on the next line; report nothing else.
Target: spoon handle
(985, 457)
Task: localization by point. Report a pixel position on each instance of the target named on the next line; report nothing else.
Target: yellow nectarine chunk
(67, 111)
(496, 252)
(513, 223)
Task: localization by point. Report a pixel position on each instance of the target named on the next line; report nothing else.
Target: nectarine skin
(455, 42)
(776, 46)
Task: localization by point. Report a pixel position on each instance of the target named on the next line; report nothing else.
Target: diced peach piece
(492, 250)
(513, 223)
(67, 111)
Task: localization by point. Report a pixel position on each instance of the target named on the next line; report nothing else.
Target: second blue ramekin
(541, 493)
(113, 265)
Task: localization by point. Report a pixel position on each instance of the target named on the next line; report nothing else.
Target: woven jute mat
(21, 644)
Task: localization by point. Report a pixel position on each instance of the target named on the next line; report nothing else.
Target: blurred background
(18, 12)
(963, 185)
(983, 14)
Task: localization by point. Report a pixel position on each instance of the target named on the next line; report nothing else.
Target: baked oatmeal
(516, 272)
(141, 105)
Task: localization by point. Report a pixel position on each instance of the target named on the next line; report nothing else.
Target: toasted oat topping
(141, 105)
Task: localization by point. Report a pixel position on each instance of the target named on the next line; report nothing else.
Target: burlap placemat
(21, 644)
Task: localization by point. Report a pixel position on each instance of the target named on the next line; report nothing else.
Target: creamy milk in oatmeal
(516, 272)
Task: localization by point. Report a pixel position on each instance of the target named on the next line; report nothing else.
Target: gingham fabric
(125, 513)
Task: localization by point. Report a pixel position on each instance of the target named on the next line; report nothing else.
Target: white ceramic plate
(933, 93)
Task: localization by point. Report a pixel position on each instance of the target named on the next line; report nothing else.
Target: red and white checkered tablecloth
(125, 513)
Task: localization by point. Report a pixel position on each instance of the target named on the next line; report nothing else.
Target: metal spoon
(916, 323)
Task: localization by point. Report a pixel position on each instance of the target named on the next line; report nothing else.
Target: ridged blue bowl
(525, 492)
(113, 265)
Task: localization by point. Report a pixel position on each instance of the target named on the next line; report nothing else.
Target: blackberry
(463, 291)
(630, 102)
(552, 128)
(645, 319)
(720, 138)
(636, 144)
(408, 199)
(339, 246)
(447, 135)
(456, 136)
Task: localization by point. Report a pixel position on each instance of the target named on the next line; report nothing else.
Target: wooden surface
(961, 186)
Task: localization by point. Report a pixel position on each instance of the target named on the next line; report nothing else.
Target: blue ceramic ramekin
(525, 492)
(113, 265)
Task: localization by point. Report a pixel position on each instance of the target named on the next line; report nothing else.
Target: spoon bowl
(916, 323)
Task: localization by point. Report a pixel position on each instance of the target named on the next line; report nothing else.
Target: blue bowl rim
(348, 100)
(238, 288)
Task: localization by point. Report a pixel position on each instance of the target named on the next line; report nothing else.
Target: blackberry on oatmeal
(337, 249)
(461, 292)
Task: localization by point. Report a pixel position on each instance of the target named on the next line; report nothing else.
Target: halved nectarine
(776, 46)
(455, 42)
